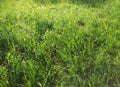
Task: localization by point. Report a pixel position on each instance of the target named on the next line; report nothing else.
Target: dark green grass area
(72, 43)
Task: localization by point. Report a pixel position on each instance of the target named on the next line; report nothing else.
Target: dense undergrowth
(75, 43)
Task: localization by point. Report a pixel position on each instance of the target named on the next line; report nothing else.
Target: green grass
(72, 43)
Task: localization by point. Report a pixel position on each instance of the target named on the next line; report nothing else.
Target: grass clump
(59, 44)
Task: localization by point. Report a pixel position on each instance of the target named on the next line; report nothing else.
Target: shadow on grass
(91, 3)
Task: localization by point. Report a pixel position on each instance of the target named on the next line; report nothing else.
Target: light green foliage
(59, 43)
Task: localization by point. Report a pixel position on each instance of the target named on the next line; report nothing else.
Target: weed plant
(56, 43)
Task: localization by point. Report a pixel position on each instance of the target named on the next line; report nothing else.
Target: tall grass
(54, 44)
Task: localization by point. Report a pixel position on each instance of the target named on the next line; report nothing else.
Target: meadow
(59, 43)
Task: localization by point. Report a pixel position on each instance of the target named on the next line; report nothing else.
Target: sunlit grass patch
(59, 44)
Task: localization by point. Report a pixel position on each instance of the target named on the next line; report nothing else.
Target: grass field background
(59, 43)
